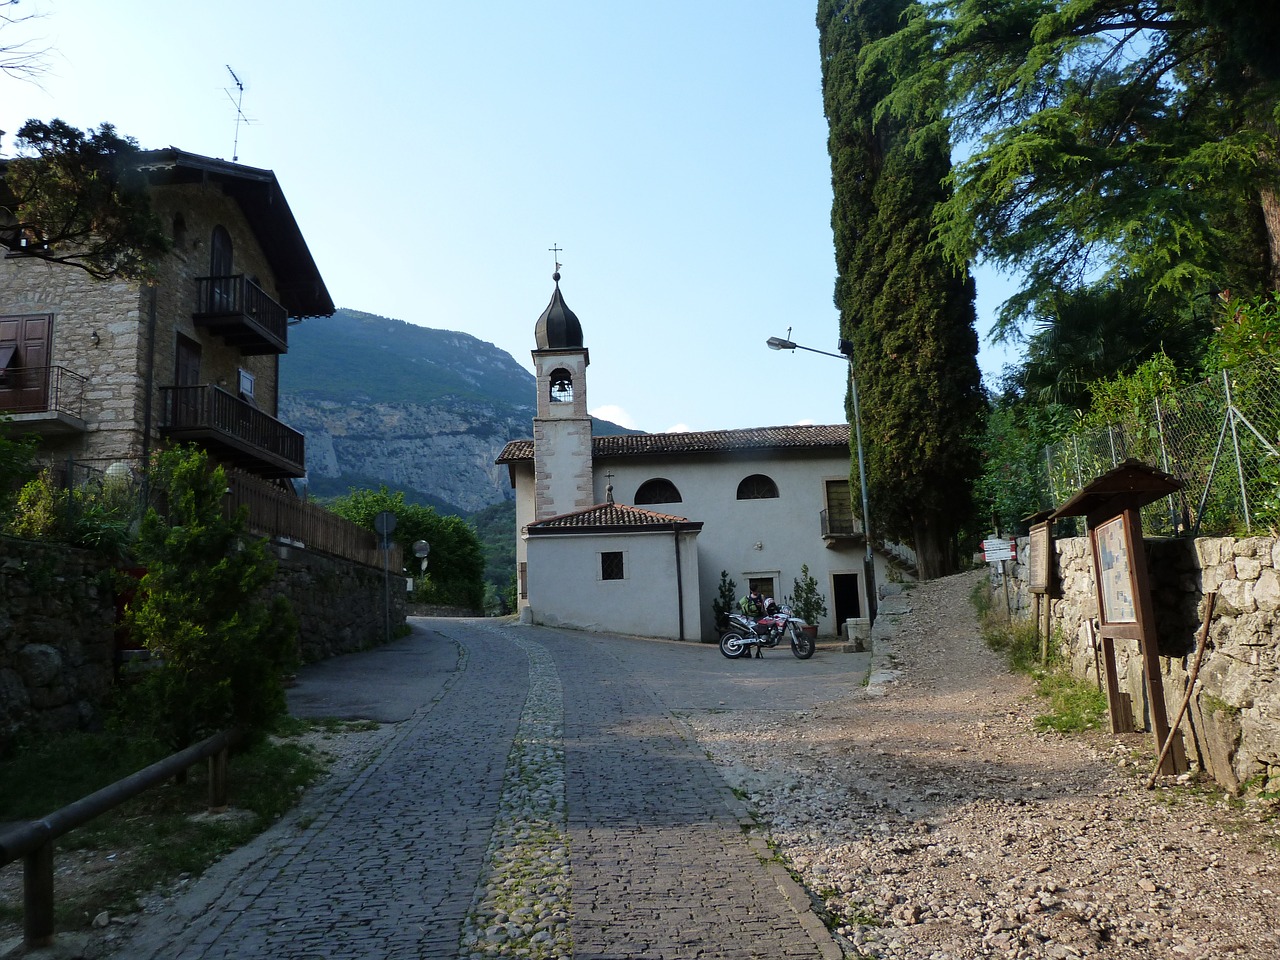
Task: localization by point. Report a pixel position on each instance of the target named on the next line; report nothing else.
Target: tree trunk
(1271, 219)
(934, 546)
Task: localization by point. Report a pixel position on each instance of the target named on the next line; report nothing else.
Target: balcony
(839, 529)
(240, 312)
(46, 401)
(235, 431)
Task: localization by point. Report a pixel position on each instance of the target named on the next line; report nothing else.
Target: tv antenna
(238, 99)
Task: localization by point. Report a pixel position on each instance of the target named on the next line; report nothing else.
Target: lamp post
(846, 354)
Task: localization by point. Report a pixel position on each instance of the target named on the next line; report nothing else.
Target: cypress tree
(909, 315)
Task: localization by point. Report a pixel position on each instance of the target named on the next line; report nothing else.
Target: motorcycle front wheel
(731, 646)
(801, 643)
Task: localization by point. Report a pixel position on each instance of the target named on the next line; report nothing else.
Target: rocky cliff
(426, 411)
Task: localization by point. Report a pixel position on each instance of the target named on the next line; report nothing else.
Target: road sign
(994, 550)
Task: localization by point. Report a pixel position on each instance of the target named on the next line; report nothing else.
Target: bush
(200, 609)
(805, 600)
(725, 601)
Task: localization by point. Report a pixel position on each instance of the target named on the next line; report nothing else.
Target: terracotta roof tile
(615, 516)
(703, 441)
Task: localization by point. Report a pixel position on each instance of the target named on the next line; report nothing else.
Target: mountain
(382, 401)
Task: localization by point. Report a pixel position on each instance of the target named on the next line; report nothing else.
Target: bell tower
(563, 480)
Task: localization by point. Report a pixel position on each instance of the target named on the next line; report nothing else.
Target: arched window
(222, 294)
(220, 252)
(561, 386)
(757, 487)
(657, 490)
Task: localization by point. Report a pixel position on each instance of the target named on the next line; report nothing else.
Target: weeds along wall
(1232, 729)
(58, 613)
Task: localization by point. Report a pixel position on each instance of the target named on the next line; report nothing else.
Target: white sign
(994, 550)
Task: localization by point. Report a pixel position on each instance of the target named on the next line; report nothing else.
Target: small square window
(611, 567)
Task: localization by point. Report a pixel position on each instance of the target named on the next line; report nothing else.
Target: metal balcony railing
(241, 312)
(42, 390)
(235, 430)
(840, 525)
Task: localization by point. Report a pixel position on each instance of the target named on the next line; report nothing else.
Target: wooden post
(218, 781)
(1147, 640)
(37, 897)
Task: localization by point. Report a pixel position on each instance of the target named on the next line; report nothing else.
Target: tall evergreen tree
(909, 315)
(1112, 141)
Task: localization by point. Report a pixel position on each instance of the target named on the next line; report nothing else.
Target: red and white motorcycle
(744, 635)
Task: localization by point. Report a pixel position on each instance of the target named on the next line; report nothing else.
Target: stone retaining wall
(339, 604)
(1232, 729)
(57, 626)
(57, 636)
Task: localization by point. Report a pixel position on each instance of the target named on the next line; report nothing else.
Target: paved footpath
(537, 795)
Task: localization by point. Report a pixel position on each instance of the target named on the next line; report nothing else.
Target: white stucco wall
(566, 589)
(787, 530)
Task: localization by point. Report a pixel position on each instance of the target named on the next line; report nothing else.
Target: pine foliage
(908, 313)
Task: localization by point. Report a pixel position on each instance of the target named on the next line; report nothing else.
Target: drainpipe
(149, 390)
(675, 533)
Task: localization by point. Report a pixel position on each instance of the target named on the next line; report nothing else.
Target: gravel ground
(933, 821)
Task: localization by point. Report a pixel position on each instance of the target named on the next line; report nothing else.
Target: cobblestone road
(540, 794)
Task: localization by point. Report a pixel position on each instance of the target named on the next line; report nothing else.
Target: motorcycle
(744, 635)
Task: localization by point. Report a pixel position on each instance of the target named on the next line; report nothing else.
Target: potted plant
(806, 602)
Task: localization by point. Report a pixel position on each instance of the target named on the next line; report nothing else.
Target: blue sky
(433, 152)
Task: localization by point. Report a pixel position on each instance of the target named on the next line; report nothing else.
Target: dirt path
(938, 824)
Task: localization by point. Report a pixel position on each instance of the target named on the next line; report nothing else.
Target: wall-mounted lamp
(94, 338)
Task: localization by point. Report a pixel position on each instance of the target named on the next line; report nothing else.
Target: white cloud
(680, 428)
(615, 414)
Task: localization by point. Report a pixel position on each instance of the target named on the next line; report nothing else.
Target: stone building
(103, 372)
(630, 533)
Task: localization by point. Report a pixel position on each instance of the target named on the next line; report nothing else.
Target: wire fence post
(1235, 448)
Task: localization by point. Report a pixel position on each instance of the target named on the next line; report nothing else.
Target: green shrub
(201, 610)
(725, 601)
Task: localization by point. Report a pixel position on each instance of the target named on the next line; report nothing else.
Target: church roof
(558, 327)
(810, 437)
(611, 518)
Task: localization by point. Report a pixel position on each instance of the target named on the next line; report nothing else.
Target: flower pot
(810, 630)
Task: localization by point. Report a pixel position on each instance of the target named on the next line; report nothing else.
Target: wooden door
(186, 374)
(25, 383)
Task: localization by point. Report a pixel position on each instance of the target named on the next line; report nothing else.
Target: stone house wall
(1232, 728)
(57, 626)
(120, 314)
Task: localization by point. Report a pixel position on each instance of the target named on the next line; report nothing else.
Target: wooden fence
(274, 512)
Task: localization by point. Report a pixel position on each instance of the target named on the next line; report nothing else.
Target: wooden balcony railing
(240, 312)
(236, 431)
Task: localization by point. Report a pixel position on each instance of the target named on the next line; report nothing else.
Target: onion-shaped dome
(558, 327)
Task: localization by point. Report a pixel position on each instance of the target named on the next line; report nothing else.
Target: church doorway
(847, 597)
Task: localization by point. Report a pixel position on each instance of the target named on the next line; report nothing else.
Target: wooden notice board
(1112, 505)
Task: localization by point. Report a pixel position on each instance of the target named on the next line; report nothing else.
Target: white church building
(630, 534)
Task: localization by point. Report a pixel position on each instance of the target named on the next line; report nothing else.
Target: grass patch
(1074, 705)
(156, 837)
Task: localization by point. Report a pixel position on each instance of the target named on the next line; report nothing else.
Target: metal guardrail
(33, 841)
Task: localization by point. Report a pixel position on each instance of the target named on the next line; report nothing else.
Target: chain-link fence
(1220, 437)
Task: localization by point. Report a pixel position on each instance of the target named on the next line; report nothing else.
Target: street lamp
(846, 354)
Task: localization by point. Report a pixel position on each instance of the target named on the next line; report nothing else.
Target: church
(631, 534)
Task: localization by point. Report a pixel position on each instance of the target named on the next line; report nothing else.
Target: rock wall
(339, 604)
(1232, 729)
(57, 626)
(57, 637)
